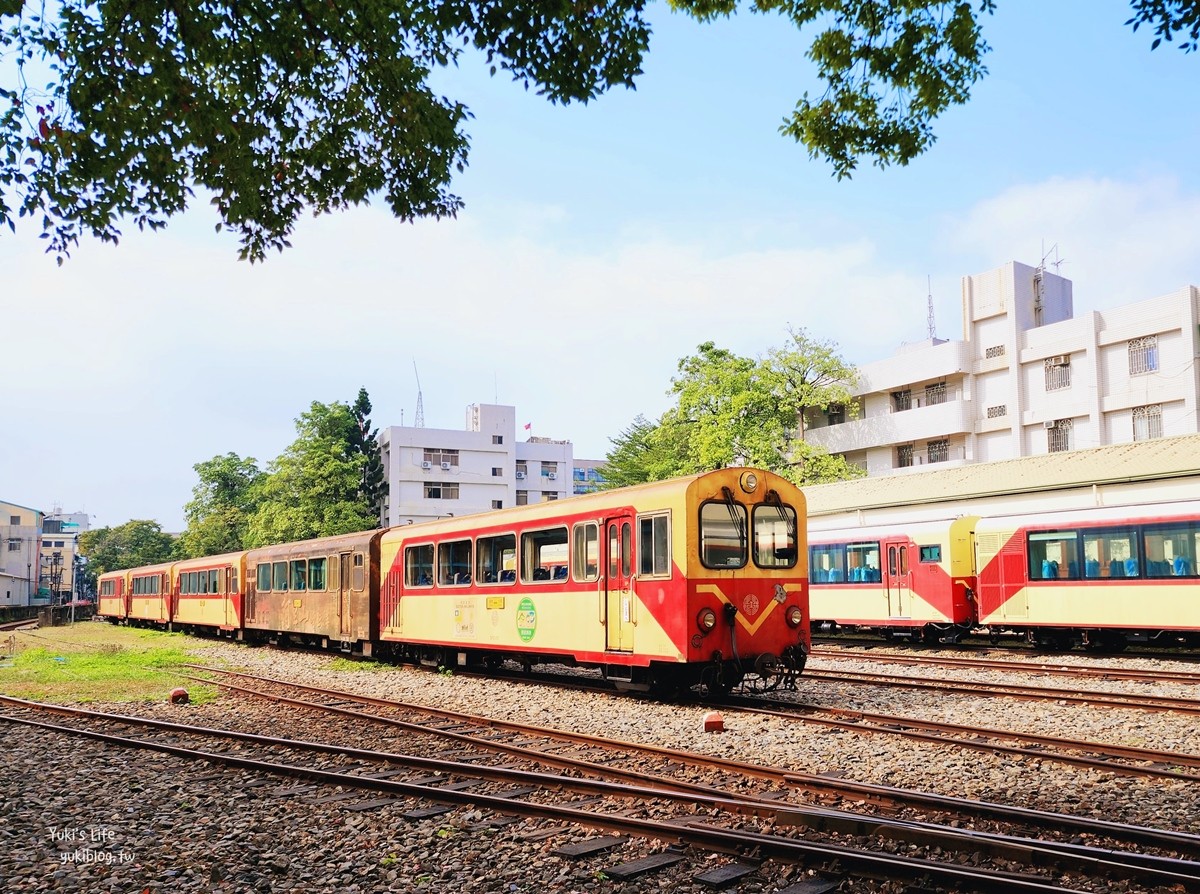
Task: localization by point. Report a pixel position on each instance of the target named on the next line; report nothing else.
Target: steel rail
(687, 832)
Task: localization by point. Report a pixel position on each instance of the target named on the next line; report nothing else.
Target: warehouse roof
(1139, 461)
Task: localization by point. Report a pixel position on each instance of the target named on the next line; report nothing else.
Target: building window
(1058, 436)
(549, 495)
(994, 351)
(522, 468)
(441, 457)
(1058, 373)
(997, 412)
(439, 490)
(497, 472)
(938, 451)
(497, 504)
(522, 498)
(1143, 355)
(14, 520)
(549, 470)
(904, 456)
(497, 439)
(1147, 422)
(901, 400)
(837, 414)
(935, 394)
(14, 545)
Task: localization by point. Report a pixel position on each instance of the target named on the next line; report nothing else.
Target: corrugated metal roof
(1139, 461)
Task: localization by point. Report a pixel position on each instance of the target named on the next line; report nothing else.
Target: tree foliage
(221, 507)
(313, 488)
(275, 109)
(364, 440)
(733, 410)
(131, 545)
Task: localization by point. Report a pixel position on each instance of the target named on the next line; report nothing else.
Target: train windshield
(723, 534)
(774, 536)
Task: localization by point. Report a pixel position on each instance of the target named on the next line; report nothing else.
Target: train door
(344, 578)
(897, 578)
(618, 583)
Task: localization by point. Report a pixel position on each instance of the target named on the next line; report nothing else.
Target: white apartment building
(1028, 378)
(20, 540)
(434, 473)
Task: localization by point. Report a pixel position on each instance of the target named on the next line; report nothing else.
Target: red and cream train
(1098, 577)
(696, 581)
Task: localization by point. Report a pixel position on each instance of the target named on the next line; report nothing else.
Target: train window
(454, 562)
(496, 559)
(334, 574)
(654, 539)
(723, 534)
(774, 536)
(264, 577)
(201, 582)
(279, 577)
(418, 565)
(862, 562)
(1111, 553)
(233, 580)
(1053, 555)
(614, 552)
(904, 560)
(316, 573)
(358, 573)
(931, 553)
(626, 549)
(543, 553)
(214, 581)
(1171, 549)
(299, 574)
(586, 557)
(827, 564)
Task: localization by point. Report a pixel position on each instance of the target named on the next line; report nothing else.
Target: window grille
(904, 456)
(1059, 436)
(938, 451)
(1058, 375)
(837, 414)
(935, 394)
(997, 412)
(901, 400)
(1143, 355)
(994, 351)
(1147, 422)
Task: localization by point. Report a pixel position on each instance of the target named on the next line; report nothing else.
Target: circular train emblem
(750, 605)
(526, 619)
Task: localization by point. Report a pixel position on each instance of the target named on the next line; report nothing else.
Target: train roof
(1157, 459)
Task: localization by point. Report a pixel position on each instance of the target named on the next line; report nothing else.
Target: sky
(599, 245)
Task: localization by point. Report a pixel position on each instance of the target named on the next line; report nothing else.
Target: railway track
(534, 793)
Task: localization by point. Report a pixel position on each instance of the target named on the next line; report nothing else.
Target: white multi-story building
(20, 541)
(1028, 378)
(433, 473)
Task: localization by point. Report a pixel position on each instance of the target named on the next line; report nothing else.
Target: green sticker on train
(526, 619)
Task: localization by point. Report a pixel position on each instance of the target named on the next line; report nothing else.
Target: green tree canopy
(364, 440)
(732, 410)
(313, 488)
(275, 109)
(131, 545)
(221, 507)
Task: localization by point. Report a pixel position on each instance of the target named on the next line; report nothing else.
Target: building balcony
(915, 425)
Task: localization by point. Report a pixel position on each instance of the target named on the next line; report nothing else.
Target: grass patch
(357, 664)
(98, 663)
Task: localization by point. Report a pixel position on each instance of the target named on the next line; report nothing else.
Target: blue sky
(600, 244)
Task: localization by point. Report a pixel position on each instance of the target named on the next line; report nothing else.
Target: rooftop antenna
(419, 422)
(929, 318)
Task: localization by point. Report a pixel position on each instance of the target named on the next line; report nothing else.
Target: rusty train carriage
(320, 592)
(697, 580)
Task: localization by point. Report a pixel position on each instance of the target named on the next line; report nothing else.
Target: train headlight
(706, 620)
(749, 482)
(794, 616)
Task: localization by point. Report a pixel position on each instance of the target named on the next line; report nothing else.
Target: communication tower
(419, 422)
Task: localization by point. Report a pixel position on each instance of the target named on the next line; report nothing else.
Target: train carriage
(322, 592)
(908, 582)
(208, 592)
(149, 599)
(1101, 578)
(697, 580)
(112, 590)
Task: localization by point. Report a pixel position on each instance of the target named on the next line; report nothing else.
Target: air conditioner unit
(1058, 360)
(552, 475)
(427, 465)
(520, 474)
(445, 467)
(1049, 423)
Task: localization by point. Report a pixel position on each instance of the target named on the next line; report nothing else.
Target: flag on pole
(528, 426)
